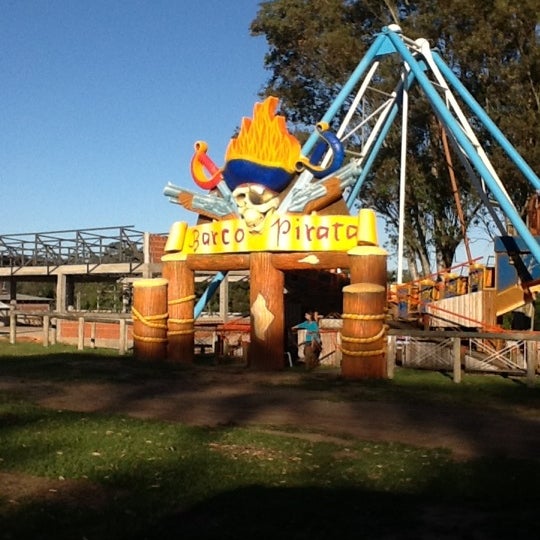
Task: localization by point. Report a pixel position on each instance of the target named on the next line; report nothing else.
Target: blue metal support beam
(381, 46)
(451, 123)
(512, 153)
(208, 293)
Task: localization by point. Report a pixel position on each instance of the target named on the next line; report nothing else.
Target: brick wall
(157, 247)
(105, 334)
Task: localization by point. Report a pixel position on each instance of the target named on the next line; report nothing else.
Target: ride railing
(412, 297)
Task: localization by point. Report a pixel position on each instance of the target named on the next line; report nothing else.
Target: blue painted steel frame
(450, 122)
(378, 48)
(487, 121)
(208, 293)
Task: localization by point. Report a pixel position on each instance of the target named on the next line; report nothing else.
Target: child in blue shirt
(313, 342)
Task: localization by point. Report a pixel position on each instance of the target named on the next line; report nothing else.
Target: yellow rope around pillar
(181, 300)
(149, 339)
(364, 317)
(149, 321)
(363, 353)
(371, 339)
(180, 332)
(181, 321)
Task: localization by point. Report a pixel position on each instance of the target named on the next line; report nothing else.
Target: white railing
(506, 353)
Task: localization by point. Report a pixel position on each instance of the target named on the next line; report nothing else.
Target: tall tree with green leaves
(494, 47)
(314, 45)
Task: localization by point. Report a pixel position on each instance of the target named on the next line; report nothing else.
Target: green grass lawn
(117, 477)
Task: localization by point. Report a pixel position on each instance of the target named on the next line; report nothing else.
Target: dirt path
(221, 397)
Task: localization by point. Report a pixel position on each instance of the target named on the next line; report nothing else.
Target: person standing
(313, 342)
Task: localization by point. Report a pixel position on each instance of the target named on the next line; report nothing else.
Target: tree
(37, 288)
(315, 44)
(494, 47)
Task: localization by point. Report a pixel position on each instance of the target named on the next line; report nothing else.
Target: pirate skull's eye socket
(241, 199)
(256, 198)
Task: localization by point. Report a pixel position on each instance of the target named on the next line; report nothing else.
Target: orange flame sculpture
(265, 139)
(264, 151)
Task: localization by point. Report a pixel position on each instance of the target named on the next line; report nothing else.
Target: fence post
(46, 323)
(532, 361)
(54, 336)
(12, 325)
(93, 335)
(122, 338)
(80, 343)
(391, 356)
(456, 350)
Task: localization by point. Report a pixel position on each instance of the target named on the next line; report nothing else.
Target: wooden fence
(506, 353)
(457, 352)
(49, 326)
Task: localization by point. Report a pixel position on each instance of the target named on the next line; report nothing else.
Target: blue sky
(101, 102)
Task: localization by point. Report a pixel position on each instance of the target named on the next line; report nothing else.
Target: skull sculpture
(255, 202)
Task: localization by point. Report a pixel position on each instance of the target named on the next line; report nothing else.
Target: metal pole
(122, 337)
(387, 118)
(402, 180)
(208, 293)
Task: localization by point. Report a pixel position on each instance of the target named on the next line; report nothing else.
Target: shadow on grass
(314, 513)
(488, 415)
(291, 513)
(480, 499)
(98, 365)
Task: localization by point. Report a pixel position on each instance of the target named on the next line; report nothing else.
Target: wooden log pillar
(367, 264)
(181, 303)
(364, 332)
(267, 348)
(364, 329)
(150, 319)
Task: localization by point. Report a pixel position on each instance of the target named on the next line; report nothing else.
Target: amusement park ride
(276, 208)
